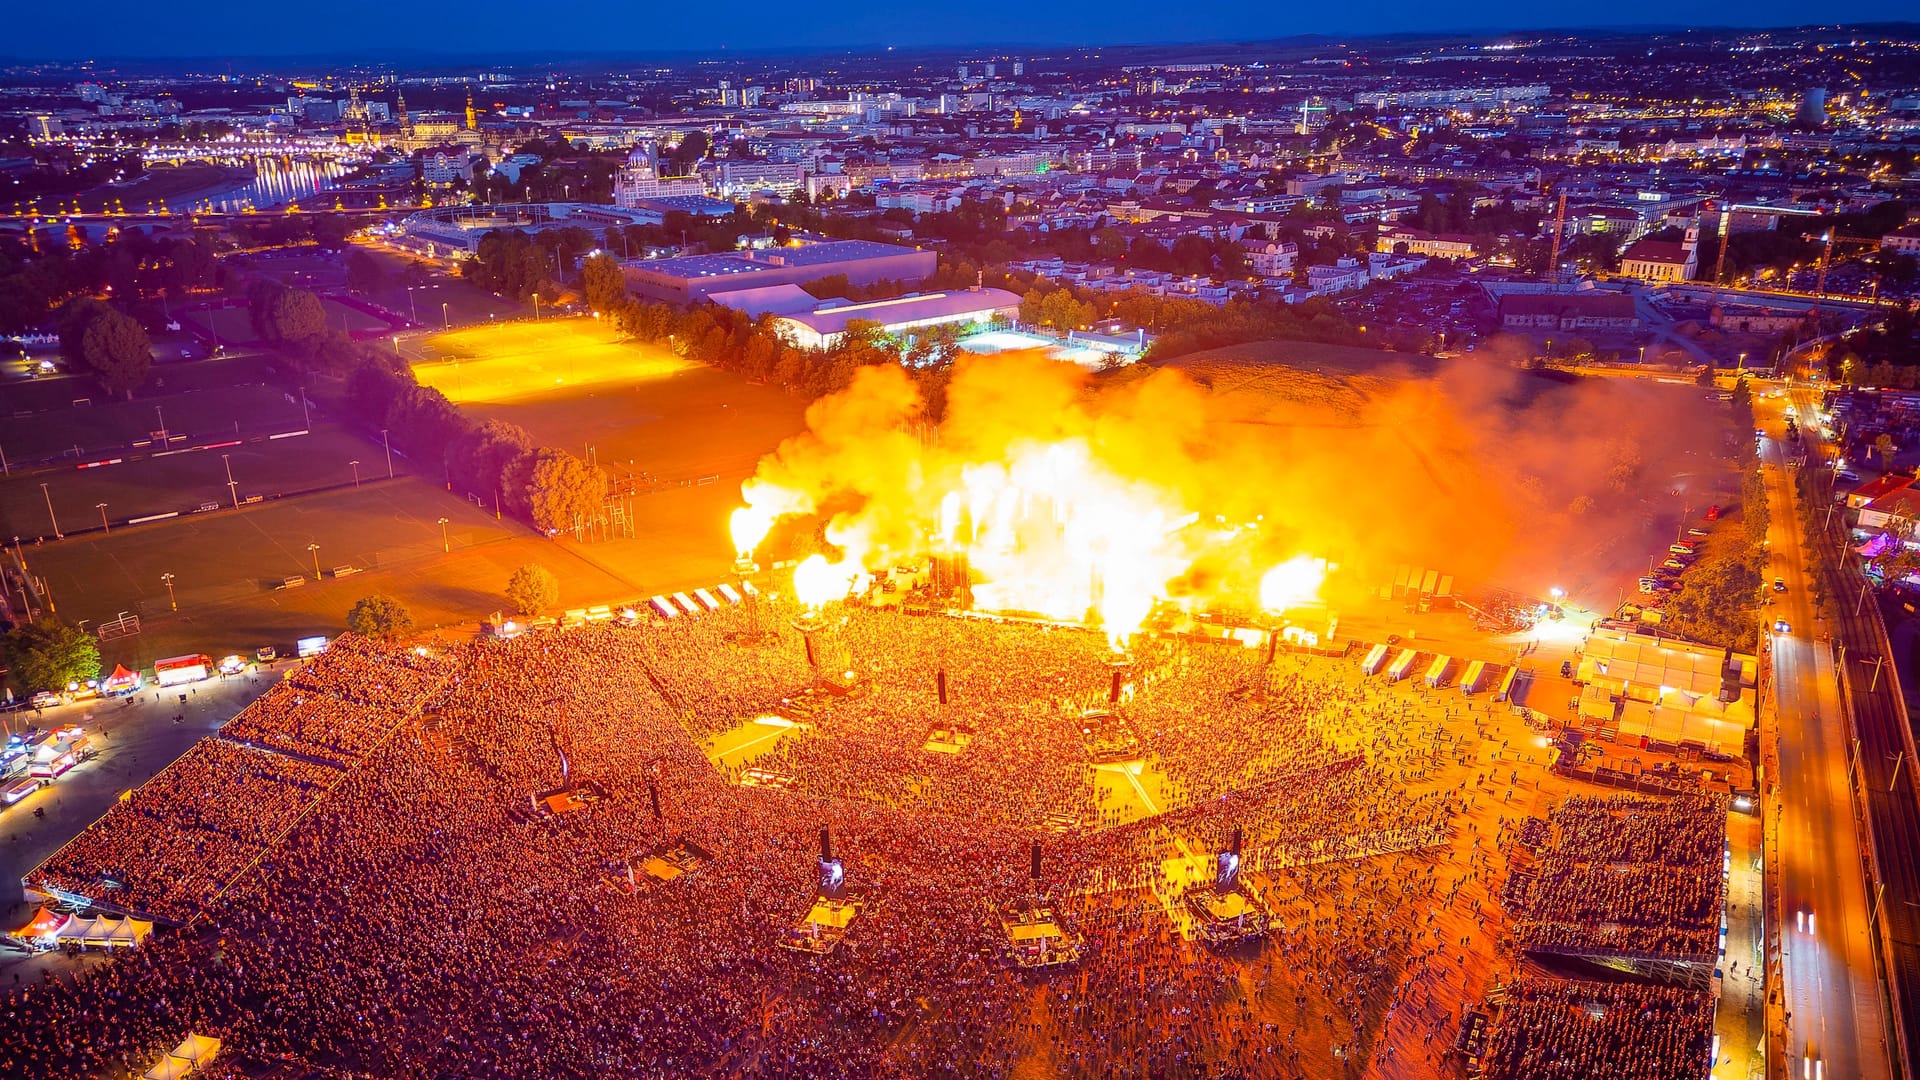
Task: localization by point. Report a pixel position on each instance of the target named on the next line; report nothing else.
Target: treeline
(509, 262)
(52, 267)
(492, 459)
(1183, 325)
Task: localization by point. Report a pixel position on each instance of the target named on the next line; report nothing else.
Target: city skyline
(122, 29)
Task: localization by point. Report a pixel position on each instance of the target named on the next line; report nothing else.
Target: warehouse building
(826, 325)
(689, 278)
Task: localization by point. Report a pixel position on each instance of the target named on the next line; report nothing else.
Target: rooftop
(904, 309)
(753, 262)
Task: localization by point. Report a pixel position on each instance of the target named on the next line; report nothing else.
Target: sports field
(60, 391)
(70, 431)
(640, 409)
(228, 567)
(233, 326)
(683, 431)
(185, 481)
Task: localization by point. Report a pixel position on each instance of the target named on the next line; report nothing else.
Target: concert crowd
(382, 892)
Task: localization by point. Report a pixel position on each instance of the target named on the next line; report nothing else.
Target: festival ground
(1383, 864)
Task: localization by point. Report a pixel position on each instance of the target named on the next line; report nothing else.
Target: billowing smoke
(1086, 497)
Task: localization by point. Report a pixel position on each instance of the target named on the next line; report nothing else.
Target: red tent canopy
(46, 922)
(122, 679)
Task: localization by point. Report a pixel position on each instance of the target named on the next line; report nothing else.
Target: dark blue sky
(222, 28)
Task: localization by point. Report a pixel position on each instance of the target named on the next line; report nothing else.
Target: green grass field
(113, 425)
(1261, 376)
(227, 565)
(60, 391)
(235, 327)
(640, 411)
(185, 481)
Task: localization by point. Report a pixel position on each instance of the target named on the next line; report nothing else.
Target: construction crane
(1553, 249)
(1829, 239)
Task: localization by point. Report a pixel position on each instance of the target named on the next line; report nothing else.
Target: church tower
(472, 121)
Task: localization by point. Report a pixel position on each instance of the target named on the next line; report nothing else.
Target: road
(1832, 990)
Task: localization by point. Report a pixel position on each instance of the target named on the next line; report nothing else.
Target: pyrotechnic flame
(1296, 581)
(817, 581)
(749, 526)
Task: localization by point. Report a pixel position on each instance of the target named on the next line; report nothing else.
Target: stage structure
(1226, 911)
(1035, 938)
(834, 908)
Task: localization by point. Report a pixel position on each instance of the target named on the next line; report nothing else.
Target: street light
(389, 445)
(104, 527)
(233, 488)
(356, 472)
(315, 548)
(168, 580)
(56, 521)
(445, 322)
(445, 545)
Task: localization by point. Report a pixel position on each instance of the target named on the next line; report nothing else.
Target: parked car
(1779, 584)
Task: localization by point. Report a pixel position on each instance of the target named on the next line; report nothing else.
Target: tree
(71, 324)
(379, 616)
(363, 271)
(47, 655)
(481, 456)
(533, 590)
(602, 282)
(1716, 608)
(295, 316)
(116, 348)
(562, 490)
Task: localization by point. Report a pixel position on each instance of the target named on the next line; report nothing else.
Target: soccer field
(229, 567)
(519, 361)
(185, 481)
(634, 409)
(686, 432)
(71, 431)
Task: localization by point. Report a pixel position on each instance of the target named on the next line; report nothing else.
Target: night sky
(140, 28)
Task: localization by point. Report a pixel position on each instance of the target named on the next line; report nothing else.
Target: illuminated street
(1832, 992)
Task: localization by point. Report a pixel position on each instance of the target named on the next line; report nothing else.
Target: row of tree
(492, 459)
(133, 266)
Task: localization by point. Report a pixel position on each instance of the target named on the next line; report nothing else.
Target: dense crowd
(182, 838)
(173, 845)
(1629, 874)
(1570, 1030)
(293, 719)
(423, 919)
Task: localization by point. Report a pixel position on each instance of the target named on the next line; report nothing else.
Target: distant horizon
(677, 34)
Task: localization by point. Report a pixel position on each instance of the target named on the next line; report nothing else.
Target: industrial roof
(905, 309)
(690, 267)
(785, 299)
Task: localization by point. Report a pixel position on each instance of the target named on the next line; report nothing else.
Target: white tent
(194, 1053)
(106, 931)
